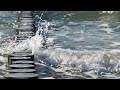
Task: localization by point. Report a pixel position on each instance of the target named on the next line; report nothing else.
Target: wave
(101, 62)
(75, 61)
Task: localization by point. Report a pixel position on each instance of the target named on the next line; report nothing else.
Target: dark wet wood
(21, 18)
(21, 54)
(22, 59)
(26, 16)
(23, 36)
(22, 71)
(18, 41)
(20, 66)
(21, 39)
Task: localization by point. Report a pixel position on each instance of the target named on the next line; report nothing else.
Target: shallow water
(82, 44)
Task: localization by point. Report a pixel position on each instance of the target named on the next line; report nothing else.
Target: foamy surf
(90, 64)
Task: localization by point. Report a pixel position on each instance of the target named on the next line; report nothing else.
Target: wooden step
(21, 18)
(23, 59)
(26, 16)
(12, 58)
(21, 55)
(21, 71)
(21, 66)
(26, 20)
(15, 57)
(29, 32)
(23, 62)
(23, 36)
(21, 76)
(26, 24)
(26, 33)
(21, 39)
(23, 52)
(25, 28)
(26, 12)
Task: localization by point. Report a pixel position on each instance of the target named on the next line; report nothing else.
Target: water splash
(39, 41)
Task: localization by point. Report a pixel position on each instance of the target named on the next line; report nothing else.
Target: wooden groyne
(21, 65)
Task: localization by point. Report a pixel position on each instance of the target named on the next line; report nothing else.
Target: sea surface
(81, 44)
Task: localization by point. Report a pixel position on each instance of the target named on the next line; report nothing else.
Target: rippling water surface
(84, 44)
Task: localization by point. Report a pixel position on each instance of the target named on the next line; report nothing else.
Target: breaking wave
(90, 62)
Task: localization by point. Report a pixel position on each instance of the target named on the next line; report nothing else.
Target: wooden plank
(26, 12)
(27, 21)
(26, 32)
(25, 28)
(16, 59)
(21, 39)
(23, 36)
(20, 66)
(18, 54)
(21, 71)
(26, 16)
(28, 35)
(23, 32)
(26, 24)
(21, 55)
(21, 76)
(23, 52)
(21, 18)
(20, 58)
(23, 62)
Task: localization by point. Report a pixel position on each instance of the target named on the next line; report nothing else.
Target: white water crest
(109, 12)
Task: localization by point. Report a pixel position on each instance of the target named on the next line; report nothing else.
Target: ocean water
(80, 44)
